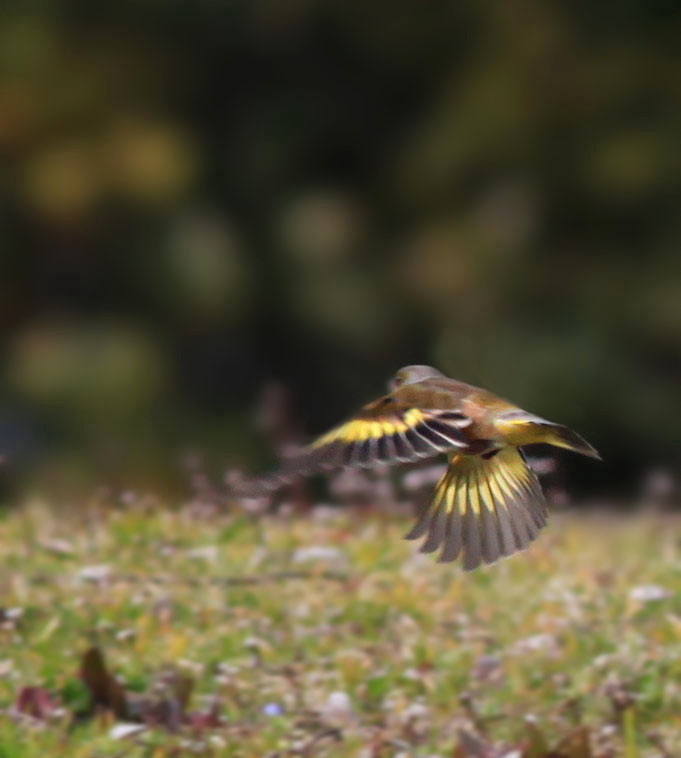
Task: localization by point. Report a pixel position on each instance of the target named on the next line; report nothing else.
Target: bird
(488, 504)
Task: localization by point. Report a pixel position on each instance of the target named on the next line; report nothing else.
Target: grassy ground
(330, 635)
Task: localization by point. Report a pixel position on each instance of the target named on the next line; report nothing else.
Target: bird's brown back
(443, 393)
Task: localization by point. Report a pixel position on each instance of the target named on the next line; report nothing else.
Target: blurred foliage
(197, 197)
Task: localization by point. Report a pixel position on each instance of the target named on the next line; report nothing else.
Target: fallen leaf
(576, 745)
(57, 546)
(471, 746)
(121, 731)
(95, 573)
(105, 691)
(35, 702)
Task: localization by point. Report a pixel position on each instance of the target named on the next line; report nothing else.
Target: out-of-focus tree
(199, 196)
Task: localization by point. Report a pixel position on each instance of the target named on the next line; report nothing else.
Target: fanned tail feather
(482, 509)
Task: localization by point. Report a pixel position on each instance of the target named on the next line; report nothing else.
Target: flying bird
(488, 503)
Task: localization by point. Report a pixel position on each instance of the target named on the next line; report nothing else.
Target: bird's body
(489, 502)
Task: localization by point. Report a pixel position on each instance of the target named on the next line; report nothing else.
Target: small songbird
(488, 503)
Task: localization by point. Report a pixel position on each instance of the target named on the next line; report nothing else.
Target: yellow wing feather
(359, 430)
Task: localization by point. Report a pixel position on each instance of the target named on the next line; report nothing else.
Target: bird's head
(412, 374)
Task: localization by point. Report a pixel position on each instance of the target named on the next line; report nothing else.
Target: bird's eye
(397, 381)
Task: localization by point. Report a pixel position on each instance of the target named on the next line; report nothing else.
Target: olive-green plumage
(489, 502)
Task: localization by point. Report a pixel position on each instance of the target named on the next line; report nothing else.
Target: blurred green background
(199, 197)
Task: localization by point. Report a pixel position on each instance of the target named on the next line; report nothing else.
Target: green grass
(549, 646)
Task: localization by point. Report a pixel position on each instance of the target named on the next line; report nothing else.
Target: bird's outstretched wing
(385, 431)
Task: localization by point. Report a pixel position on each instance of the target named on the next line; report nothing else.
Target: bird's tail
(483, 509)
(526, 429)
